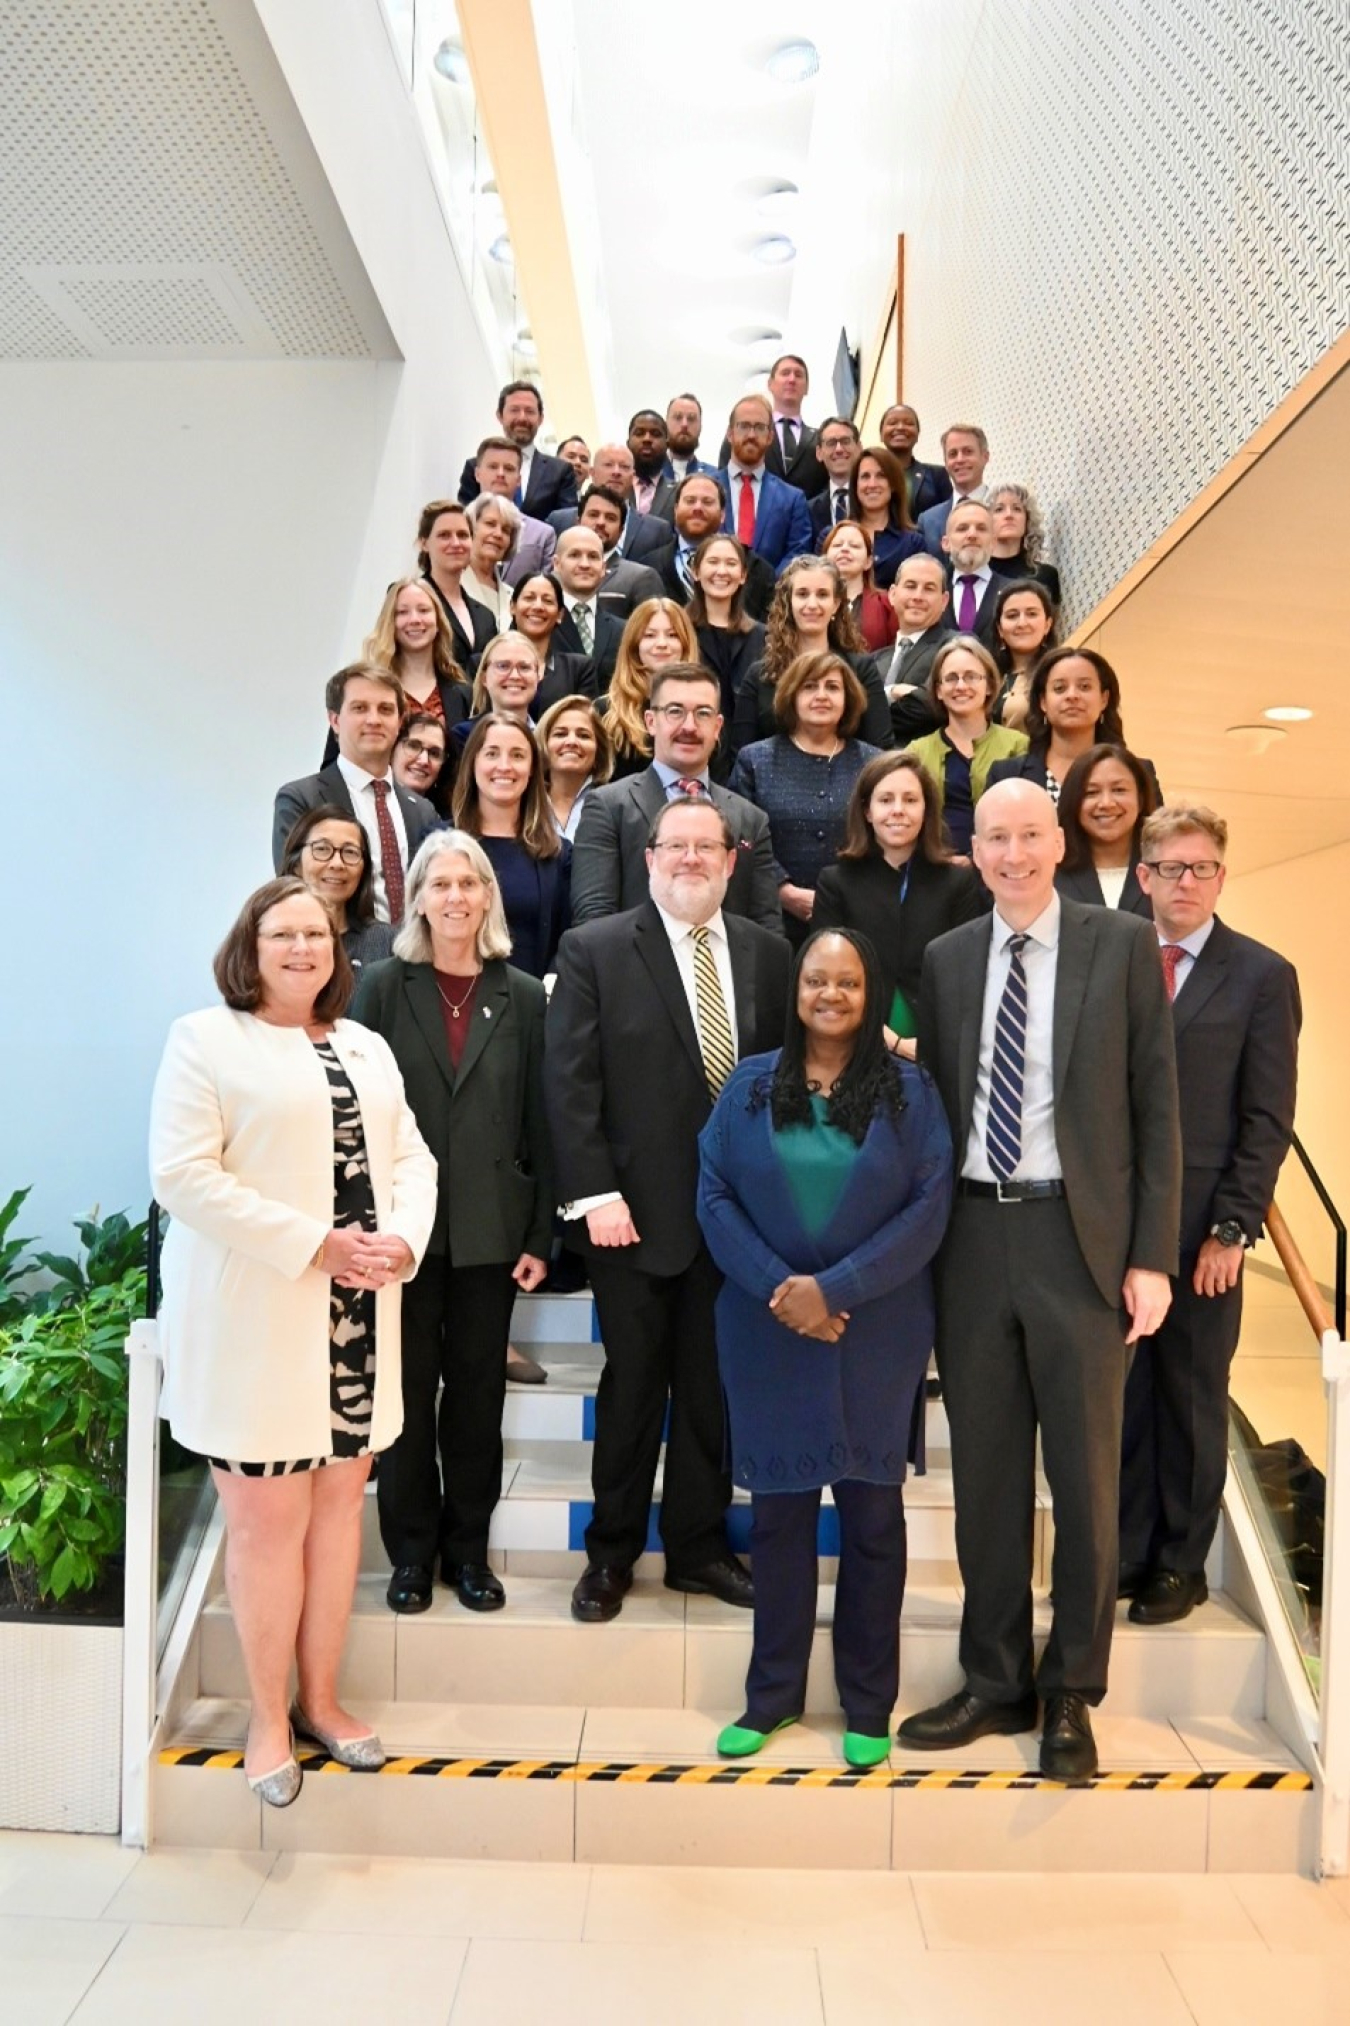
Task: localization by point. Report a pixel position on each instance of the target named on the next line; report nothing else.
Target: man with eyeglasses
(652, 1009)
(1236, 1014)
(365, 707)
(837, 448)
(609, 855)
(765, 513)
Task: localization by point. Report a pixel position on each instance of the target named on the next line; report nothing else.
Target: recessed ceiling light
(755, 334)
(451, 62)
(779, 204)
(1256, 739)
(774, 250)
(793, 62)
(500, 250)
(1287, 714)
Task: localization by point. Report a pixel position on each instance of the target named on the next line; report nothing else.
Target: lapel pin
(487, 1012)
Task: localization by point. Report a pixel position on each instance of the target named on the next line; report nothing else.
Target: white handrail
(1334, 1701)
(140, 1610)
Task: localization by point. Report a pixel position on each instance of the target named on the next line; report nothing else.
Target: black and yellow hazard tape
(952, 1779)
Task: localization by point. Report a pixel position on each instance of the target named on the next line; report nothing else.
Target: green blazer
(495, 1198)
(997, 743)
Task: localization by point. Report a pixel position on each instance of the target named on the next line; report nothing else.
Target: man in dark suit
(790, 453)
(921, 603)
(641, 537)
(651, 1010)
(928, 484)
(765, 513)
(837, 447)
(365, 707)
(587, 626)
(967, 543)
(609, 855)
(699, 507)
(547, 483)
(648, 440)
(684, 427)
(965, 452)
(1047, 1030)
(1236, 1012)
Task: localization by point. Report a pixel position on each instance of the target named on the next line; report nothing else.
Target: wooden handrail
(1300, 1274)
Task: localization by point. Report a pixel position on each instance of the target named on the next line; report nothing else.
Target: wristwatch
(1230, 1232)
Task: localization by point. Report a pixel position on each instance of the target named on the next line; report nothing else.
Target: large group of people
(720, 880)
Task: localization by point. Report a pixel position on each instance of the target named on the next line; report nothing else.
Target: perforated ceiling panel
(148, 210)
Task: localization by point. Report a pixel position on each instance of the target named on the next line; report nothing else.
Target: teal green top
(817, 1160)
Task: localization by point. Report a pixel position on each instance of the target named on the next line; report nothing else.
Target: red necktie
(693, 789)
(745, 512)
(1172, 954)
(391, 862)
(965, 607)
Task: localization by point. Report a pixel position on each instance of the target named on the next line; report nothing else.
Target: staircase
(521, 1734)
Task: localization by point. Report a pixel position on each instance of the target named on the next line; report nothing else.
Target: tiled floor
(92, 1933)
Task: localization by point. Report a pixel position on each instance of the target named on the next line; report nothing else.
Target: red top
(456, 993)
(876, 620)
(432, 705)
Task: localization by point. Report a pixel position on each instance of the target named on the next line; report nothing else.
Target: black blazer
(1115, 1079)
(605, 648)
(626, 1091)
(467, 651)
(553, 484)
(1012, 571)
(729, 656)
(756, 598)
(754, 718)
(1083, 884)
(864, 894)
(928, 486)
(565, 674)
(294, 797)
(486, 1126)
(1030, 766)
(609, 862)
(912, 717)
(1236, 1020)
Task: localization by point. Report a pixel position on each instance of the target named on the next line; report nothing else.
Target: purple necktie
(966, 605)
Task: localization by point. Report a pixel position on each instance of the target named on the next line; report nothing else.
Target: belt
(1011, 1192)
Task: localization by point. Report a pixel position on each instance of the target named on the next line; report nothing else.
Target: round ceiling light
(500, 250)
(451, 63)
(1287, 714)
(793, 62)
(774, 250)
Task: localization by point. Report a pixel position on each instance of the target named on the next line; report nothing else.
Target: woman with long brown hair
(444, 539)
(500, 800)
(879, 502)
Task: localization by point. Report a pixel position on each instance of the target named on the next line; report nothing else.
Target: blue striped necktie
(1003, 1131)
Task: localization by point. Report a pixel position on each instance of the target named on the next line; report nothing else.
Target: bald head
(1018, 846)
(612, 466)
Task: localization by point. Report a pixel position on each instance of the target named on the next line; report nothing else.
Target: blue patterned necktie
(1003, 1131)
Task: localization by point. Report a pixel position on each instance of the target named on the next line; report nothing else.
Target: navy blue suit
(782, 520)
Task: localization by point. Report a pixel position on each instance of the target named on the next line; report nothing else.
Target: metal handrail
(1323, 1195)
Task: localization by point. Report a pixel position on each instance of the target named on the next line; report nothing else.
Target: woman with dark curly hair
(1106, 797)
(810, 614)
(1073, 702)
(1019, 538)
(825, 1183)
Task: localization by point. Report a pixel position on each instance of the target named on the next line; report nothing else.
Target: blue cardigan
(805, 1413)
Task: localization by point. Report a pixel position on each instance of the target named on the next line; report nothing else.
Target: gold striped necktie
(714, 1028)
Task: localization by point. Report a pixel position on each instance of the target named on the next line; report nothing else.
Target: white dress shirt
(1040, 957)
(1192, 945)
(526, 462)
(735, 473)
(361, 788)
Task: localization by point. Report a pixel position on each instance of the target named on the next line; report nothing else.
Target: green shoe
(737, 1741)
(862, 1751)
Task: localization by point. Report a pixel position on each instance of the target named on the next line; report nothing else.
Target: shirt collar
(680, 932)
(754, 473)
(356, 777)
(1194, 942)
(1044, 931)
(667, 776)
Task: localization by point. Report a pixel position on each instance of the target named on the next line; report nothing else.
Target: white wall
(186, 552)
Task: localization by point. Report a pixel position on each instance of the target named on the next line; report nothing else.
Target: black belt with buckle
(1011, 1192)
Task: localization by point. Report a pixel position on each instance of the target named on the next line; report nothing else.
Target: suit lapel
(1207, 974)
(336, 789)
(489, 1009)
(969, 1004)
(743, 986)
(419, 984)
(1077, 934)
(653, 947)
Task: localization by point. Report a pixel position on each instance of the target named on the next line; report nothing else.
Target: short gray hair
(510, 513)
(413, 941)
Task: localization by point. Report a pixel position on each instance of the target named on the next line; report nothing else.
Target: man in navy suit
(546, 483)
(928, 484)
(837, 447)
(965, 452)
(684, 427)
(1236, 1014)
(765, 513)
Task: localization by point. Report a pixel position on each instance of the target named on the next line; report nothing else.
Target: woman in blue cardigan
(824, 1190)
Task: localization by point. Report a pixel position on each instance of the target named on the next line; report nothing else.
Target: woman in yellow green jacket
(962, 684)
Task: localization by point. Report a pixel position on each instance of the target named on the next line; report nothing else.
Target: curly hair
(381, 645)
(782, 642)
(869, 1084)
(630, 684)
(1033, 541)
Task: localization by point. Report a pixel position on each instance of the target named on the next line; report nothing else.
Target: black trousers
(659, 1346)
(1175, 1453)
(1024, 1338)
(456, 1321)
(869, 1591)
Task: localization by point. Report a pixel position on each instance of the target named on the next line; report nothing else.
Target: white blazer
(241, 1151)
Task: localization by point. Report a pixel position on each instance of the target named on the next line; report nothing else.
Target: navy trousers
(869, 1591)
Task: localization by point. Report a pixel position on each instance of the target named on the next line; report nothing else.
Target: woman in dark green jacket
(467, 1032)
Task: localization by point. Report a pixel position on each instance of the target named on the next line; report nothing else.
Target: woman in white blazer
(302, 1196)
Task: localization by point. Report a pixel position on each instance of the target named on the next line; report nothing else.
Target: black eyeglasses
(320, 850)
(1175, 868)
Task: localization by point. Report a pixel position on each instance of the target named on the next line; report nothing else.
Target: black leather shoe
(1068, 1749)
(475, 1584)
(726, 1579)
(1130, 1578)
(599, 1595)
(409, 1588)
(1167, 1595)
(964, 1717)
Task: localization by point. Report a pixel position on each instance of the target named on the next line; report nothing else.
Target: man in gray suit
(497, 470)
(609, 856)
(365, 709)
(1047, 1029)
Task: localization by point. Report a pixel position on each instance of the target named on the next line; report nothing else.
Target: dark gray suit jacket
(419, 818)
(609, 864)
(1115, 1079)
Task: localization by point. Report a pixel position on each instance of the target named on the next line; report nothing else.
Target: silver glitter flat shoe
(279, 1787)
(359, 1755)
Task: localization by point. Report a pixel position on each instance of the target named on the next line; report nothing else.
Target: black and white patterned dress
(351, 1310)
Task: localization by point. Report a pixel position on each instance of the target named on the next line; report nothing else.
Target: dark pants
(1175, 1454)
(659, 1345)
(869, 1591)
(456, 1320)
(1025, 1338)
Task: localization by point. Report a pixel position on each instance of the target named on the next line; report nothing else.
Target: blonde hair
(481, 701)
(381, 645)
(1174, 819)
(413, 941)
(510, 514)
(630, 685)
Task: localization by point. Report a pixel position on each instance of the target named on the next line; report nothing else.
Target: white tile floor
(92, 1933)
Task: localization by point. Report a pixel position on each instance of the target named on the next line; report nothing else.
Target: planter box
(61, 1695)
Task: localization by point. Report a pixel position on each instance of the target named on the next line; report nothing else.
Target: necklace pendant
(454, 1012)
